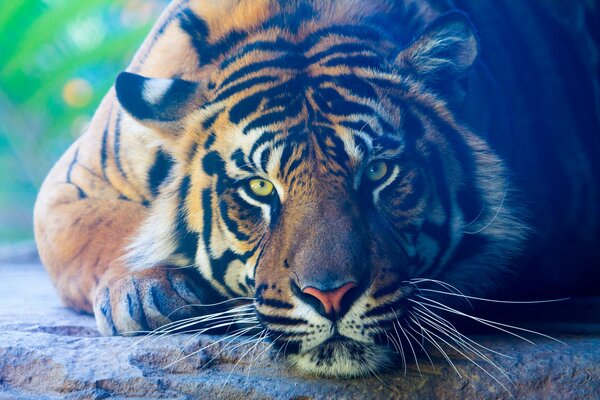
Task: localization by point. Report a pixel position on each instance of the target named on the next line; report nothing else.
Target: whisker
(215, 304)
(451, 288)
(475, 219)
(262, 336)
(379, 379)
(398, 346)
(498, 301)
(494, 217)
(234, 335)
(207, 346)
(211, 324)
(171, 326)
(459, 340)
(472, 361)
(246, 342)
(229, 324)
(411, 347)
(257, 357)
(452, 328)
(476, 319)
(188, 322)
(493, 324)
(427, 337)
(407, 332)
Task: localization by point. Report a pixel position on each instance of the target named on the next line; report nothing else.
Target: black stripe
(80, 191)
(159, 171)
(280, 320)
(264, 137)
(160, 300)
(289, 347)
(297, 162)
(274, 303)
(267, 119)
(219, 267)
(213, 164)
(106, 310)
(290, 89)
(358, 87)
(359, 61)
(247, 84)
(283, 335)
(198, 30)
(187, 239)
(330, 101)
(117, 146)
(103, 149)
(231, 224)
(210, 141)
(385, 308)
(210, 121)
(386, 290)
(287, 61)
(359, 32)
(339, 48)
(206, 217)
(291, 19)
(260, 45)
(134, 307)
(239, 158)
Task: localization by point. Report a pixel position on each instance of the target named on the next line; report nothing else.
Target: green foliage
(58, 58)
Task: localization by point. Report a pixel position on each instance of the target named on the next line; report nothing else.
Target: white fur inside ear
(155, 89)
(446, 50)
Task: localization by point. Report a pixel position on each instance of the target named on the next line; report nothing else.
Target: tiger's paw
(142, 301)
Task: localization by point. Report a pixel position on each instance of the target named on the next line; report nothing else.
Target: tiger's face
(319, 176)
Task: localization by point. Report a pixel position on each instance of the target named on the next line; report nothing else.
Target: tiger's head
(322, 173)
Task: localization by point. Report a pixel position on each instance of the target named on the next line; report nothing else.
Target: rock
(50, 352)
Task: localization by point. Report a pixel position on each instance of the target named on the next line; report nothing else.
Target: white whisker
(459, 339)
(498, 301)
(471, 360)
(451, 288)
(426, 336)
(246, 342)
(262, 336)
(409, 344)
(451, 327)
(494, 217)
(407, 332)
(179, 359)
(493, 324)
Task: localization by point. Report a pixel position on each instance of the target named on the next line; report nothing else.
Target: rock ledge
(49, 352)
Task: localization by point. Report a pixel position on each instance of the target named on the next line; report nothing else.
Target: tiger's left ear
(158, 103)
(445, 50)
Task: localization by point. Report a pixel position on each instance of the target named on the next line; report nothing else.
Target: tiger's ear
(445, 50)
(157, 103)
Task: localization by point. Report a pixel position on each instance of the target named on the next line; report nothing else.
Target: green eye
(260, 187)
(376, 171)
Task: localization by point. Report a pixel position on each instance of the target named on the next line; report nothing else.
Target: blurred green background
(57, 60)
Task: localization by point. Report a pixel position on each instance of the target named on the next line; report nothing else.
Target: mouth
(341, 357)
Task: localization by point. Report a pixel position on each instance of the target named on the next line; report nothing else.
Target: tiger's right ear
(157, 103)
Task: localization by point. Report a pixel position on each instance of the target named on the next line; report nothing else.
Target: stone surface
(49, 352)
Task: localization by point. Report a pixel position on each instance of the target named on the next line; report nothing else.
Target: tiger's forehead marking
(322, 94)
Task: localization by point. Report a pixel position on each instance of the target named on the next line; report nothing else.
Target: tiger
(339, 167)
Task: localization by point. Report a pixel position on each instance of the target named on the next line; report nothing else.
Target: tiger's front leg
(140, 301)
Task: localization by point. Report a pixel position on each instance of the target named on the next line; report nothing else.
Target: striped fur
(150, 210)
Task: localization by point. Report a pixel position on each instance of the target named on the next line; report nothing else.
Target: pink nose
(331, 299)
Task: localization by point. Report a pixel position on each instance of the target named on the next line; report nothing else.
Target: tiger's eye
(260, 187)
(376, 170)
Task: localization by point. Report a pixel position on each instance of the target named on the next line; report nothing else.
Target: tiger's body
(397, 144)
